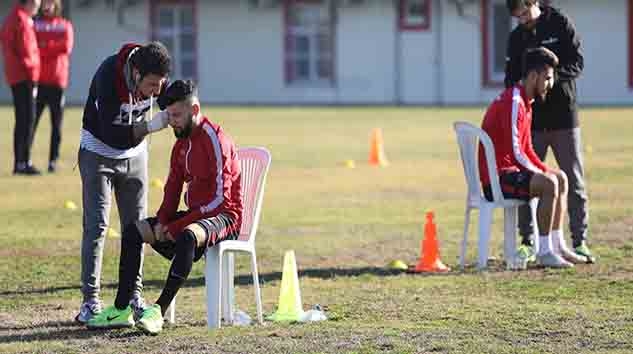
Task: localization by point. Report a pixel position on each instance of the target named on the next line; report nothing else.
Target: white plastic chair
(468, 137)
(219, 269)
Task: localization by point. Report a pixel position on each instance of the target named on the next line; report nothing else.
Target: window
(496, 27)
(174, 25)
(309, 42)
(415, 15)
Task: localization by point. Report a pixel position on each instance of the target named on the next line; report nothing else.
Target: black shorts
(514, 185)
(207, 232)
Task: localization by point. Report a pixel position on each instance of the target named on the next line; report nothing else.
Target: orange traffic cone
(429, 252)
(376, 149)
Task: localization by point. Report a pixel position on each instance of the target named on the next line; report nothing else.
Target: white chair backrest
(468, 137)
(254, 163)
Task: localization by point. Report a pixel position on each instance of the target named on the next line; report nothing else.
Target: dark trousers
(188, 248)
(566, 146)
(24, 107)
(53, 97)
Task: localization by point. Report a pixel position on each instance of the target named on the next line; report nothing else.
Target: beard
(185, 132)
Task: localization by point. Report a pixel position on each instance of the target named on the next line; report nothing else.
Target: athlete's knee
(548, 185)
(185, 241)
(563, 183)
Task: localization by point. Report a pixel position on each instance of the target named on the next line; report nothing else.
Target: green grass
(345, 225)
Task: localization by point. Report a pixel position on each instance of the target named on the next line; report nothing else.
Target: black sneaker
(29, 170)
(52, 167)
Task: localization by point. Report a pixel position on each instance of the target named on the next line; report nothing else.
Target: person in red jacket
(22, 71)
(204, 158)
(522, 175)
(55, 41)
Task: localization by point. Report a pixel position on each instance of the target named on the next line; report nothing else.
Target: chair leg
(509, 234)
(213, 283)
(228, 287)
(485, 222)
(171, 312)
(258, 295)
(462, 255)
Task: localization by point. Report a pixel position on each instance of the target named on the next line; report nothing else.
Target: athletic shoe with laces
(88, 310)
(151, 322)
(583, 250)
(138, 306)
(523, 255)
(112, 317)
(552, 260)
(572, 257)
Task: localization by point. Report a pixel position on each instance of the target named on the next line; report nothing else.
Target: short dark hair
(152, 58)
(515, 4)
(537, 59)
(179, 90)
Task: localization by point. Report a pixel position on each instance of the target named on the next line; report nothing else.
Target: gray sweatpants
(567, 148)
(99, 177)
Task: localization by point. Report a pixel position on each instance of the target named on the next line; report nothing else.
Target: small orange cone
(429, 252)
(376, 149)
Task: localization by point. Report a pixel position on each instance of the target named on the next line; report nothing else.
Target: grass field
(345, 225)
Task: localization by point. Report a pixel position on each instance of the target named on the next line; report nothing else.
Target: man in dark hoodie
(113, 154)
(555, 119)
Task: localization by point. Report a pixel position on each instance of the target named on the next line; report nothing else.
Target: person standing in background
(555, 123)
(55, 41)
(22, 71)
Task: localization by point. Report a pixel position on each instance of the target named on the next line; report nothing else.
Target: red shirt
(508, 123)
(55, 40)
(19, 47)
(207, 162)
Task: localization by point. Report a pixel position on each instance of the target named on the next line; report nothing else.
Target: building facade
(426, 52)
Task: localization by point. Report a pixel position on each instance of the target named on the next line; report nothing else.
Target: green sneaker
(112, 317)
(527, 253)
(521, 258)
(151, 321)
(583, 250)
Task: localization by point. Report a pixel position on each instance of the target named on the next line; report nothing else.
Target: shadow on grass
(60, 330)
(243, 279)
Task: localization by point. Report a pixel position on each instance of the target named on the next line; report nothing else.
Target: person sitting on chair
(522, 175)
(205, 158)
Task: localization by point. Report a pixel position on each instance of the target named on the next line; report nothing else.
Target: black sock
(129, 264)
(179, 270)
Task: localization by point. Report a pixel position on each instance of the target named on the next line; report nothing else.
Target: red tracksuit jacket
(19, 47)
(55, 40)
(508, 123)
(207, 162)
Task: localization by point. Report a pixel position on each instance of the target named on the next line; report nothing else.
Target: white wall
(242, 52)
(365, 53)
(604, 34)
(97, 36)
(419, 61)
(461, 57)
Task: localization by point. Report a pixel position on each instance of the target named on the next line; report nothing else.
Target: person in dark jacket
(113, 154)
(22, 70)
(55, 40)
(555, 122)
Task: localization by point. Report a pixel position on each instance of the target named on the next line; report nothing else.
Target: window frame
(177, 57)
(289, 61)
(403, 21)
